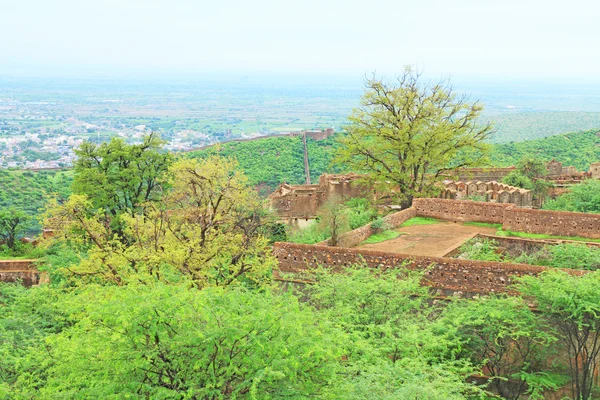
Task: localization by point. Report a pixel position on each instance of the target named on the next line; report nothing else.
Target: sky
(508, 39)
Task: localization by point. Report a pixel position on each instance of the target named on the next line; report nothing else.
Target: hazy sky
(463, 38)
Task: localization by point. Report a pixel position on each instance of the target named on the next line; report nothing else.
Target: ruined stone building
(303, 201)
(492, 191)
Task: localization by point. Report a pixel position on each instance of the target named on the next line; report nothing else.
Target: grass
(420, 221)
(483, 224)
(524, 235)
(382, 237)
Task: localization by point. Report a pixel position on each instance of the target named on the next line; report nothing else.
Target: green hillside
(578, 149)
(271, 161)
(29, 190)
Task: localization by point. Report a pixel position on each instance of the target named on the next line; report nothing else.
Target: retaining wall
(448, 275)
(512, 218)
(461, 210)
(559, 223)
(19, 270)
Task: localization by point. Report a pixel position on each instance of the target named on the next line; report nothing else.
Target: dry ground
(429, 240)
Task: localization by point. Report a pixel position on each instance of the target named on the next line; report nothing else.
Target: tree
(333, 219)
(501, 334)
(530, 175)
(392, 349)
(12, 223)
(571, 306)
(118, 177)
(165, 341)
(406, 135)
(210, 228)
(533, 168)
(583, 197)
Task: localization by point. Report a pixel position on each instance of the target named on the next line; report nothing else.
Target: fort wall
(559, 223)
(19, 270)
(461, 210)
(446, 275)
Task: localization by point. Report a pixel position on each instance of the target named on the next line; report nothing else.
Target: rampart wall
(447, 275)
(19, 270)
(559, 223)
(461, 210)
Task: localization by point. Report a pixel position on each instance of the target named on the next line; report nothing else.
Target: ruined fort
(445, 275)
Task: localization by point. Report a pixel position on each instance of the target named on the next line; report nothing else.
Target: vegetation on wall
(563, 255)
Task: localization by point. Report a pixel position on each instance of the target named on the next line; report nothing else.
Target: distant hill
(578, 149)
(520, 126)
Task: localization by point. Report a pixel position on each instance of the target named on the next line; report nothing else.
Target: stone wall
(461, 210)
(357, 236)
(512, 218)
(447, 275)
(559, 223)
(19, 270)
(304, 201)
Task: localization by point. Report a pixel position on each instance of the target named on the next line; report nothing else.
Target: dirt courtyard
(429, 240)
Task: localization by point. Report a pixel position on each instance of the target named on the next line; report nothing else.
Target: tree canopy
(406, 134)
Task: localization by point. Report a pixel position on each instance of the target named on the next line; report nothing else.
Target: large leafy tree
(571, 307)
(406, 134)
(210, 228)
(118, 177)
(168, 342)
(502, 335)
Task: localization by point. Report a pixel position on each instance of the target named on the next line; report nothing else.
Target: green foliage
(526, 235)
(360, 212)
(407, 133)
(27, 318)
(28, 191)
(354, 213)
(118, 177)
(571, 305)
(161, 341)
(420, 221)
(519, 180)
(210, 229)
(482, 250)
(500, 333)
(563, 255)
(584, 197)
(271, 161)
(312, 234)
(381, 237)
(578, 149)
(393, 351)
(13, 223)
(532, 168)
